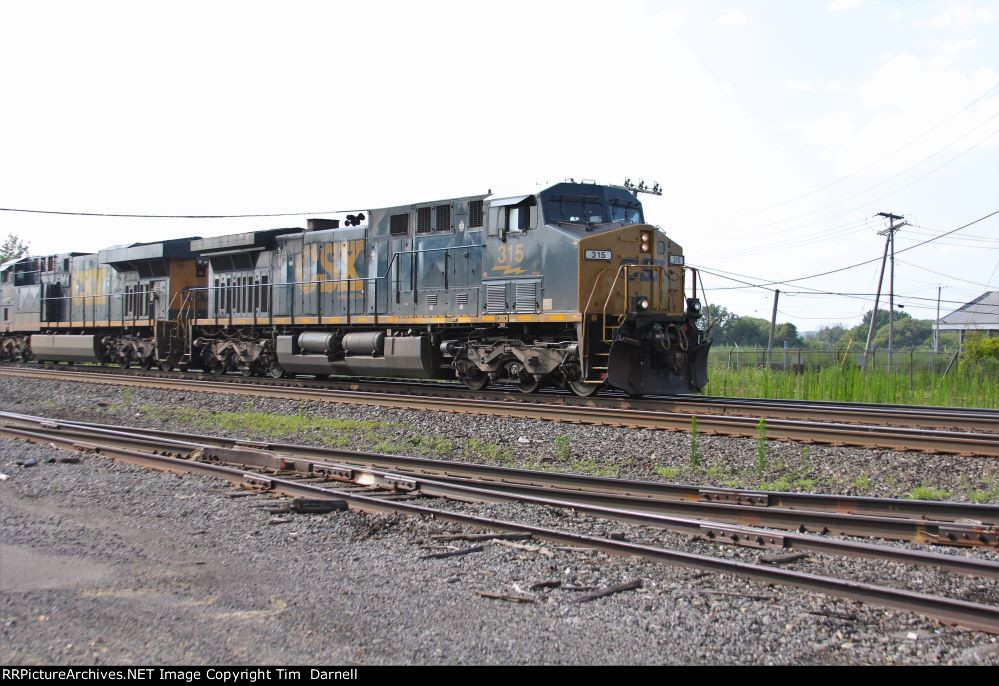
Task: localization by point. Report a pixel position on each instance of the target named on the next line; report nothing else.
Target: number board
(598, 254)
(676, 259)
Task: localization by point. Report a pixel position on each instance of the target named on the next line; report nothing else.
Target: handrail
(655, 294)
(585, 328)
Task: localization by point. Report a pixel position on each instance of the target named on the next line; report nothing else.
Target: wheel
(475, 379)
(584, 390)
(526, 383)
(275, 371)
(166, 365)
(246, 370)
(146, 363)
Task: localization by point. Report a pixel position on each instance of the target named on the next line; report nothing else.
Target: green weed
(928, 493)
(862, 483)
(562, 447)
(668, 472)
(761, 446)
(695, 458)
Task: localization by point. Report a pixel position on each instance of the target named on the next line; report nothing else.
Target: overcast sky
(777, 129)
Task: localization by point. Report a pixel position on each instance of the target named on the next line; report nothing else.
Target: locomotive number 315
(511, 254)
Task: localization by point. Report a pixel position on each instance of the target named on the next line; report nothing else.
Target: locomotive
(568, 287)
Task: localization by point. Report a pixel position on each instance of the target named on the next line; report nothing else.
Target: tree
(12, 247)
(747, 331)
(785, 334)
(908, 333)
(718, 317)
(829, 337)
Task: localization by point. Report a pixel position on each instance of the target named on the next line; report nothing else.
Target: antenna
(642, 187)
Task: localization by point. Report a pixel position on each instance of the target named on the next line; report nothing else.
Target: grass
(782, 483)
(962, 387)
(761, 446)
(861, 484)
(669, 472)
(695, 457)
(928, 493)
(487, 450)
(562, 450)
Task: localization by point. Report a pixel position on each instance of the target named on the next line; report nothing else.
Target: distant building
(981, 314)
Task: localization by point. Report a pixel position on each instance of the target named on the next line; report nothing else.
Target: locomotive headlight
(643, 303)
(646, 241)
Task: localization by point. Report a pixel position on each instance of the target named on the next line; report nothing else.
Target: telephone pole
(773, 326)
(889, 234)
(936, 325)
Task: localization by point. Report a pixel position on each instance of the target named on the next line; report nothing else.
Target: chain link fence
(801, 359)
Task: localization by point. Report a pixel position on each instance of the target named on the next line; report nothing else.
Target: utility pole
(889, 234)
(773, 325)
(936, 325)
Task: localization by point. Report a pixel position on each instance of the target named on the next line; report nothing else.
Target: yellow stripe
(88, 324)
(397, 320)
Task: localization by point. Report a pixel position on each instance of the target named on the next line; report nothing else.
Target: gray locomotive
(567, 287)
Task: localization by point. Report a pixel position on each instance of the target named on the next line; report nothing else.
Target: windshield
(589, 204)
(628, 214)
(579, 209)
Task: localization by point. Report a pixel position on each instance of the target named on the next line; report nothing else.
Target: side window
(520, 217)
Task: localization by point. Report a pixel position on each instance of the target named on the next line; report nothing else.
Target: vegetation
(729, 329)
(761, 446)
(12, 247)
(562, 447)
(928, 493)
(967, 386)
(695, 457)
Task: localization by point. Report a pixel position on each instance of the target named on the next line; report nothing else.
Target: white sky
(776, 128)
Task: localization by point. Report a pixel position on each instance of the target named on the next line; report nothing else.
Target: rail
(248, 468)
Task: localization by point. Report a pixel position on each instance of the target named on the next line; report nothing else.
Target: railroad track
(913, 416)
(589, 411)
(935, 522)
(379, 490)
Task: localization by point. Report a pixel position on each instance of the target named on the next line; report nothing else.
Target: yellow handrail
(655, 295)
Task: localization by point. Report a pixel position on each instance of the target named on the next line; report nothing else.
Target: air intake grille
(527, 297)
(461, 299)
(496, 297)
(475, 214)
(423, 219)
(431, 299)
(443, 217)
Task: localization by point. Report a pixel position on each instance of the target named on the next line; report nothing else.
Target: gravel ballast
(103, 562)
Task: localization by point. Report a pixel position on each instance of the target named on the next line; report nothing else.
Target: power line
(906, 170)
(882, 159)
(880, 183)
(949, 276)
(842, 269)
(170, 216)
